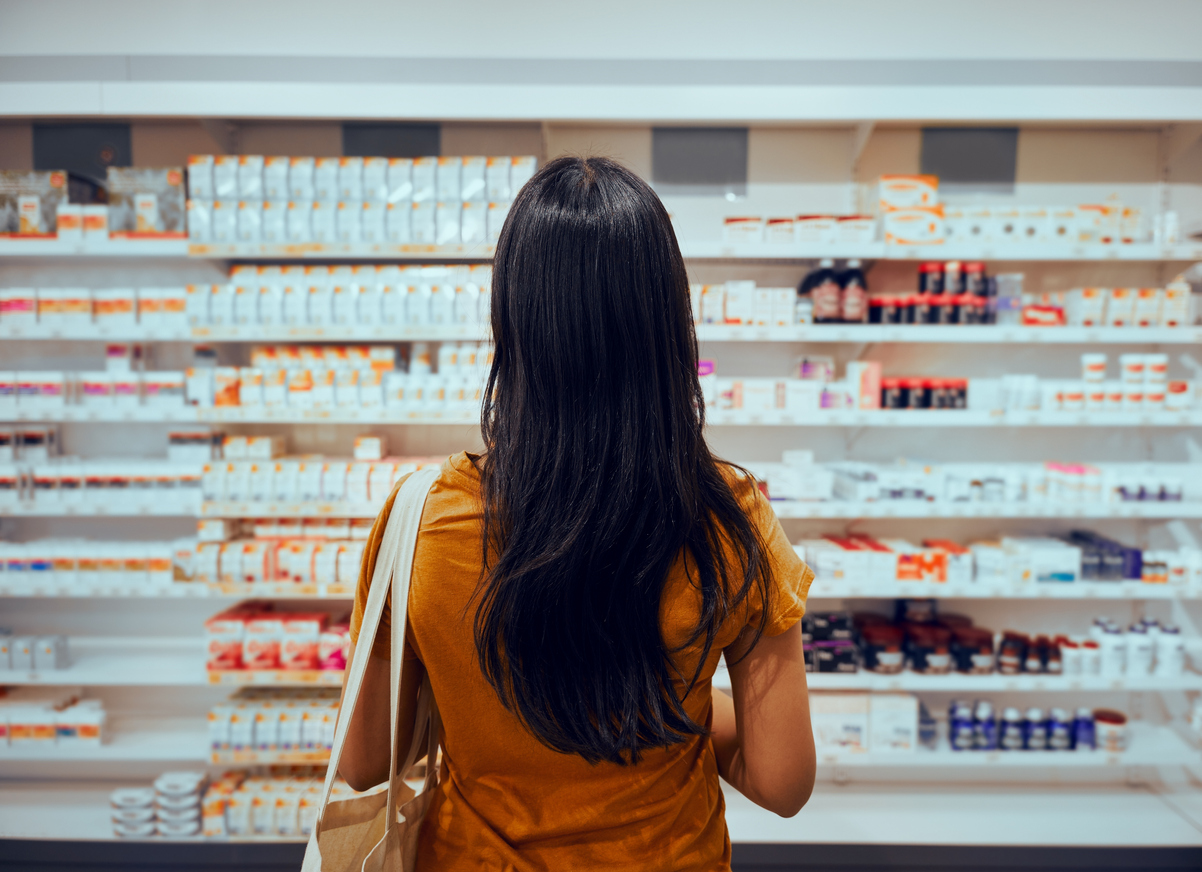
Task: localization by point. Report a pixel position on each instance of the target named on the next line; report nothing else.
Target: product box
(864, 376)
(914, 226)
(1148, 303)
(262, 642)
(855, 229)
(817, 229)
(840, 722)
(738, 230)
(907, 192)
(892, 723)
(29, 201)
(1120, 307)
(740, 302)
(224, 637)
(146, 202)
(301, 634)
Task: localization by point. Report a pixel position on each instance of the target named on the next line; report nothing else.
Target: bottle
(1084, 731)
(960, 729)
(1060, 730)
(1010, 733)
(1036, 730)
(1139, 650)
(853, 293)
(984, 726)
(822, 287)
(1170, 652)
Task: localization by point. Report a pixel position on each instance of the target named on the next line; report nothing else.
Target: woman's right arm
(762, 737)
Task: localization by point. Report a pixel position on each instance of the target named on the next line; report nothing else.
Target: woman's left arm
(365, 755)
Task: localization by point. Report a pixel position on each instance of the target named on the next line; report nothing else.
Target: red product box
(333, 646)
(224, 636)
(261, 644)
(300, 636)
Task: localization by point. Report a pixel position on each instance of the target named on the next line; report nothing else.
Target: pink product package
(261, 644)
(300, 640)
(224, 634)
(333, 646)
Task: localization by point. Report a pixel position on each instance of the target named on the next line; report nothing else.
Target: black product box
(833, 627)
(836, 657)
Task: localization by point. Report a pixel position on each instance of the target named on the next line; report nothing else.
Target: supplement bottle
(1010, 732)
(1036, 729)
(960, 730)
(1139, 650)
(822, 287)
(984, 726)
(1060, 730)
(853, 293)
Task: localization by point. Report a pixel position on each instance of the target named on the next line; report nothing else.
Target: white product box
(350, 179)
(422, 221)
(200, 176)
(397, 222)
(250, 177)
(497, 179)
(69, 222)
(840, 722)
(400, 180)
(892, 723)
(497, 213)
(915, 226)
(96, 223)
(1120, 307)
(779, 231)
(713, 304)
(225, 177)
(738, 230)
(200, 220)
(300, 179)
(296, 221)
(740, 302)
(473, 183)
(64, 308)
(250, 220)
(447, 222)
(349, 221)
(474, 222)
(423, 175)
(906, 192)
(274, 227)
(819, 229)
(521, 169)
(275, 178)
(325, 179)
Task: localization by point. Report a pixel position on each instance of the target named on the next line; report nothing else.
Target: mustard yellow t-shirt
(508, 802)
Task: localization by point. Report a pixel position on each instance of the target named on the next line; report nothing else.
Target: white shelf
(923, 509)
(785, 509)
(122, 662)
(115, 509)
(951, 418)
(249, 333)
(816, 333)
(1104, 590)
(939, 251)
(956, 682)
(341, 251)
(952, 333)
(238, 414)
(1148, 745)
(739, 418)
(51, 247)
(178, 739)
(120, 588)
(156, 662)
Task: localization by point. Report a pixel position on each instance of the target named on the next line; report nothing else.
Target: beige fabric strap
(402, 526)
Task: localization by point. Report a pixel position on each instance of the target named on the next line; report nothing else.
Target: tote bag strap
(404, 518)
(402, 573)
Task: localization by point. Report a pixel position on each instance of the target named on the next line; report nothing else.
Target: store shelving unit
(143, 658)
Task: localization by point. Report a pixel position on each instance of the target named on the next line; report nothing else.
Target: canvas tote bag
(378, 833)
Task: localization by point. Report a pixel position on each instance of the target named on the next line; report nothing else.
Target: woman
(575, 586)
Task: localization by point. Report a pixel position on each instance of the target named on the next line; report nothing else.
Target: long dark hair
(596, 475)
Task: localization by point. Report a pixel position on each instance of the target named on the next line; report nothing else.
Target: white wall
(753, 29)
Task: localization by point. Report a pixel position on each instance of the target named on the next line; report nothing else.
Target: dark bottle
(853, 293)
(822, 287)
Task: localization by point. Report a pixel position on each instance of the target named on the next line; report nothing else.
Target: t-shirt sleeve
(383, 643)
(791, 577)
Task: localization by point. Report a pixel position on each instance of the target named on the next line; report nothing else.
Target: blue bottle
(960, 731)
(1084, 731)
(984, 726)
(1010, 731)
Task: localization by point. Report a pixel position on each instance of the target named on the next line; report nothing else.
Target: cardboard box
(840, 722)
(893, 723)
(906, 192)
(915, 226)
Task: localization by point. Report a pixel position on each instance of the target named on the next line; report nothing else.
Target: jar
(1035, 730)
(974, 279)
(953, 278)
(929, 649)
(961, 733)
(984, 726)
(930, 278)
(1139, 650)
(914, 393)
(1011, 653)
(1176, 397)
(958, 392)
(881, 646)
(1070, 657)
(1169, 651)
(943, 309)
(1010, 731)
(891, 394)
(1110, 730)
(919, 309)
(939, 394)
(972, 650)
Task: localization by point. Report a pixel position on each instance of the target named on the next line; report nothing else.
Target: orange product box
(907, 192)
(918, 225)
(301, 635)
